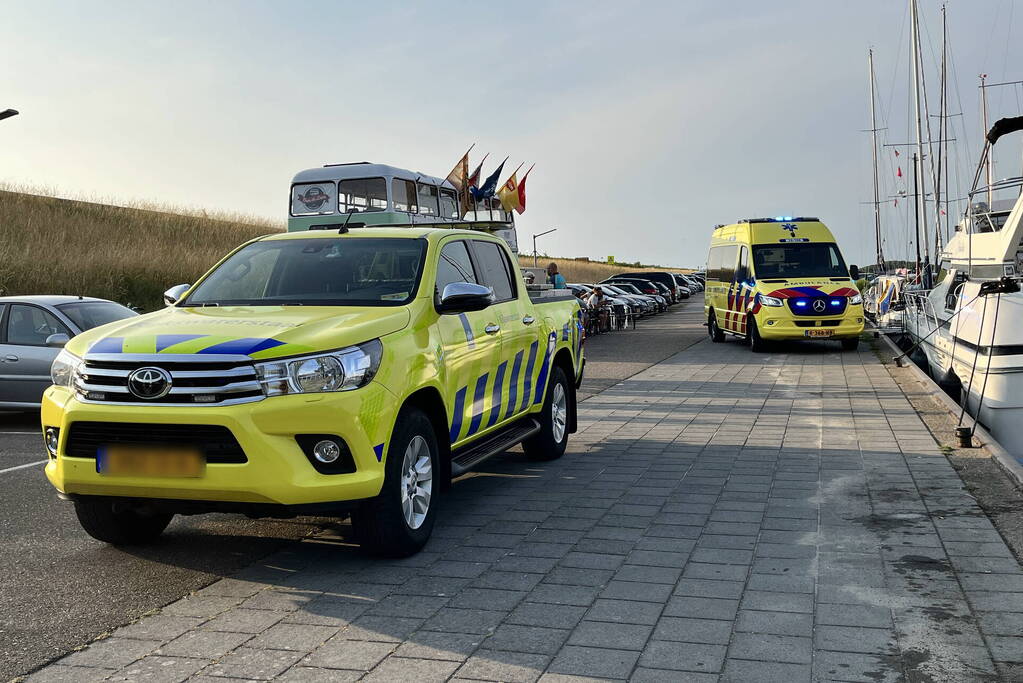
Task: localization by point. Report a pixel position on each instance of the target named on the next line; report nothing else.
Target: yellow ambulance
(780, 278)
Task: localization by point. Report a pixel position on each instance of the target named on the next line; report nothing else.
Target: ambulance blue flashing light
(781, 219)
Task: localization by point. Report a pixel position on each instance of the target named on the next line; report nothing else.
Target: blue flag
(489, 187)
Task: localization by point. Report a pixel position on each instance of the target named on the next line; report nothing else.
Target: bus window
(448, 204)
(714, 264)
(311, 199)
(726, 268)
(362, 194)
(403, 194)
(428, 200)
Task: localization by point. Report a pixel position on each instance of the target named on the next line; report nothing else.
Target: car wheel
(105, 522)
(550, 442)
(756, 342)
(716, 335)
(398, 522)
(850, 344)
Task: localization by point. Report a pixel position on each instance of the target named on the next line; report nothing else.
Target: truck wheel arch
(430, 401)
(563, 359)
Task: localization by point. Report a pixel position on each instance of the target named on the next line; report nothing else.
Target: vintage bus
(378, 194)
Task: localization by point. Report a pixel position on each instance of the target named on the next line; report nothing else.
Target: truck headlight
(856, 299)
(62, 371)
(342, 370)
(770, 300)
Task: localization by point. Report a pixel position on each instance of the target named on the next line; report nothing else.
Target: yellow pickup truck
(329, 371)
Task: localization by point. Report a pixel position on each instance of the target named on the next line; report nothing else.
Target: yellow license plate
(150, 461)
(818, 333)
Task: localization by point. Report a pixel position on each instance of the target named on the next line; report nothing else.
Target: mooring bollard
(965, 437)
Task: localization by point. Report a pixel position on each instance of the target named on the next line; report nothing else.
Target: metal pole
(916, 216)
(941, 136)
(921, 207)
(873, 152)
(983, 133)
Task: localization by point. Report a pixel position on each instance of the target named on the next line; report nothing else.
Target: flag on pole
(521, 207)
(489, 187)
(468, 194)
(896, 152)
(898, 173)
(509, 192)
(460, 173)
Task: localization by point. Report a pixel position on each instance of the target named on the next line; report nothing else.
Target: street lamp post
(8, 113)
(540, 234)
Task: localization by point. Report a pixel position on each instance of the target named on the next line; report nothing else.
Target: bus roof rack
(780, 219)
(347, 163)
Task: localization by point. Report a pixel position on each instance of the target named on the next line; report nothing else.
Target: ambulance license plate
(149, 461)
(817, 333)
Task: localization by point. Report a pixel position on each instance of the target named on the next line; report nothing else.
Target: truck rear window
(316, 272)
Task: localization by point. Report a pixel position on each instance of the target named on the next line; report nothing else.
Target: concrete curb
(1005, 460)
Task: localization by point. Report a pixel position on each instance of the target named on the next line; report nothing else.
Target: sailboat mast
(873, 153)
(983, 133)
(941, 146)
(916, 216)
(921, 208)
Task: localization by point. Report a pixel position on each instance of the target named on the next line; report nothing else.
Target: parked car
(645, 286)
(637, 304)
(663, 277)
(33, 329)
(648, 299)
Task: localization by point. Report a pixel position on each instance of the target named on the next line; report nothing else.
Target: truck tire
(398, 522)
(716, 334)
(756, 342)
(119, 527)
(550, 442)
(850, 344)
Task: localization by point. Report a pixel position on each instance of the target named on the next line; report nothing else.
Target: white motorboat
(970, 325)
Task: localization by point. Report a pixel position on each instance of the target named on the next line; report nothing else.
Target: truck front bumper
(785, 327)
(276, 471)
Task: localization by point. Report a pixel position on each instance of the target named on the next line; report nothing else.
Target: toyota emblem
(819, 305)
(149, 383)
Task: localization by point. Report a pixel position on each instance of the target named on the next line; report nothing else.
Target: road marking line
(21, 467)
(2, 432)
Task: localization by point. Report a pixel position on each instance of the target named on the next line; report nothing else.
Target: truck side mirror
(172, 295)
(463, 297)
(854, 272)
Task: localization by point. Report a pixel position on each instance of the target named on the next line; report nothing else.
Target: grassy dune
(132, 254)
(127, 254)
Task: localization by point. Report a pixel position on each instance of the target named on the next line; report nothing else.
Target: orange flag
(521, 208)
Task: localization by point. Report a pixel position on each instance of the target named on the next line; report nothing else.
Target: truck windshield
(345, 271)
(804, 259)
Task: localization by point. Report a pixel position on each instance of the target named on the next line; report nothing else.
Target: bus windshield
(316, 272)
(802, 259)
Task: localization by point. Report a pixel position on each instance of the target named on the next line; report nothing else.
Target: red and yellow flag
(521, 204)
(509, 193)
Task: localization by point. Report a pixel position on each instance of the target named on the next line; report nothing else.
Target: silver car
(32, 331)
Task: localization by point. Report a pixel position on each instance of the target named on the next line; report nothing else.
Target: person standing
(554, 277)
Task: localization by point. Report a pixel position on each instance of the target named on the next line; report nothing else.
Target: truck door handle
(492, 328)
(528, 320)
(11, 358)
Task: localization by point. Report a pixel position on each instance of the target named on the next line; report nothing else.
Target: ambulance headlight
(856, 299)
(343, 370)
(62, 371)
(770, 300)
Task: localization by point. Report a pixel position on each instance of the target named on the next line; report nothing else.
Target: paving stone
(686, 630)
(454, 647)
(60, 673)
(111, 652)
(744, 671)
(514, 667)
(776, 623)
(251, 663)
(465, 620)
(520, 638)
(204, 644)
(298, 637)
(163, 627)
(854, 639)
(854, 615)
(382, 629)
(766, 647)
(624, 611)
(710, 589)
(407, 669)
(159, 669)
(603, 634)
(677, 656)
(648, 574)
(594, 662)
(338, 653)
(309, 674)
(858, 667)
(564, 595)
(701, 608)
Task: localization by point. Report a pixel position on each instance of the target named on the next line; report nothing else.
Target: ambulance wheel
(756, 342)
(399, 521)
(105, 522)
(850, 344)
(716, 335)
(549, 443)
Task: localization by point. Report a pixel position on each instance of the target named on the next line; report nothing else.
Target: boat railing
(919, 304)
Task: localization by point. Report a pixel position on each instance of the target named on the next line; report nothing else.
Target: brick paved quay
(720, 516)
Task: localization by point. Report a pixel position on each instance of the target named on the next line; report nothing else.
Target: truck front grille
(221, 380)
(217, 443)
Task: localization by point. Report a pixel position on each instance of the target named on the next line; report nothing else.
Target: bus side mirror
(854, 272)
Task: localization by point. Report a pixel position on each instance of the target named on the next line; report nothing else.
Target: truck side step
(467, 457)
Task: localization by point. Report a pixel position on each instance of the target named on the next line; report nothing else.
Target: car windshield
(805, 259)
(343, 271)
(89, 314)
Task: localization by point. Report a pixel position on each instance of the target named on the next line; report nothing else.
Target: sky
(648, 122)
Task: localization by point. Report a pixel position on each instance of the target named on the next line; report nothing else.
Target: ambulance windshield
(802, 259)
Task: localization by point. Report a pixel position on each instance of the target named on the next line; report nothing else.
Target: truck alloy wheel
(550, 442)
